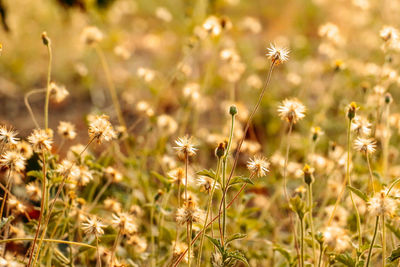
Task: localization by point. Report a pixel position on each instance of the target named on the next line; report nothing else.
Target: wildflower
(351, 110)
(381, 204)
(388, 33)
(33, 191)
(361, 126)
(112, 204)
(58, 92)
(13, 160)
(179, 249)
(177, 176)
(115, 175)
(308, 174)
(93, 227)
(25, 149)
(212, 25)
(258, 166)
(291, 110)
(316, 132)
(101, 129)
(185, 147)
(41, 140)
(8, 136)
(277, 54)
(189, 214)
(336, 238)
(139, 244)
(206, 183)
(365, 145)
(125, 222)
(91, 35)
(66, 130)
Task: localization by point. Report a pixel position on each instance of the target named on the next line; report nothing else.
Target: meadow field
(199, 133)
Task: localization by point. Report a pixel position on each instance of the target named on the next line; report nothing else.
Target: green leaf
(209, 173)
(346, 259)
(239, 256)
(36, 174)
(241, 180)
(216, 243)
(360, 194)
(284, 253)
(160, 177)
(395, 255)
(235, 237)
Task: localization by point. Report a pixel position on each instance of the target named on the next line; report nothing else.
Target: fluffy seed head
(101, 129)
(291, 110)
(277, 54)
(93, 227)
(13, 160)
(185, 147)
(41, 140)
(365, 145)
(381, 204)
(258, 166)
(66, 130)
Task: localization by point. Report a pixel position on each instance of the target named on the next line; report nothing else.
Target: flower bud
(45, 39)
(308, 177)
(220, 150)
(233, 110)
(351, 112)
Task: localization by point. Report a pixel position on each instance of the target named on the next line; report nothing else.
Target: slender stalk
(111, 86)
(208, 212)
(392, 185)
(385, 149)
(224, 183)
(152, 234)
(41, 209)
(47, 220)
(286, 162)
(186, 176)
(115, 247)
(371, 179)
(246, 128)
(98, 264)
(373, 241)
(5, 192)
(321, 252)
(46, 106)
(302, 242)
(383, 241)
(28, 106)
(48, 240)
(189, 228)
(310, 214)
(210, 223)
(348, 179)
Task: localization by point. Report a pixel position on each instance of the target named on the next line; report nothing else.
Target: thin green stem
(46, 106)
(152, 234)
(310, 214)
(302, 242)
(28, 106)
(371, 177)
(41, 211)
(321, 252)
(98, 264)
(115, 246)
(286, 162)
(209, 204)
(392, 185)
(383, 241)
(373, 241)
(48, 240)
(189, 237)
(111, 86)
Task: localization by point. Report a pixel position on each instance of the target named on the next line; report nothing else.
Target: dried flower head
(185, 147)
(361, 126)
(101, 129)
(177, 176)
(93, 227)
(8, 136)
(91, 35)
(189, 213)
(25, 149)
(381, 204)
(365, 145)
(58, 92)
(291, 110)
(179, 249)
(277, 54)
(258, 166)
(13, 160)
(206, 183)
(125, 222)
(41, 140)
(66, 130)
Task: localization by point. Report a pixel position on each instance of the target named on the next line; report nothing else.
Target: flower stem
(189, 237)
(41, 212)
(208, 212)
(310, 214)
(383, 241)
(302, 242)
(46, 105)
(286, 162)
(28, 106)
(373, 241)
(115, 246)
(98, 264)
(49, 241)
(111, 86)
(371, 178)
(321, 252)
